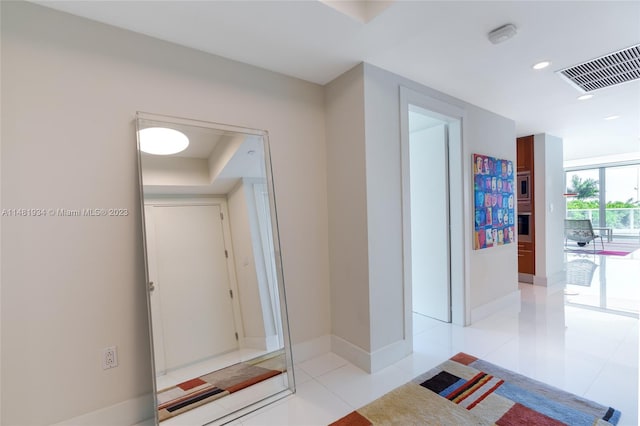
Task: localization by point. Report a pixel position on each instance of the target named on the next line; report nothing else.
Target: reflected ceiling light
(612, 117)
(541, 65)
(162, 141)
(584, 97)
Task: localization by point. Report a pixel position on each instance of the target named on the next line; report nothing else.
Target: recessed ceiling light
(612, 117)
(162, 141)
(541, 65)
(585, 97)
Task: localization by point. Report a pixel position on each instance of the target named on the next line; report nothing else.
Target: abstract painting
(494, 202)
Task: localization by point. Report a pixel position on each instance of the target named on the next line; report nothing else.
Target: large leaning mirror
(217, 308)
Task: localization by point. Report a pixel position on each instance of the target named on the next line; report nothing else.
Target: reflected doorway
(192, 303)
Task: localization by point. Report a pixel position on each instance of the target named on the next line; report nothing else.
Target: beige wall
(347, 206)
(74, 285)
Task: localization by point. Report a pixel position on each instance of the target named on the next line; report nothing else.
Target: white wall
(493, 272)
(550, 208)
(74, 285)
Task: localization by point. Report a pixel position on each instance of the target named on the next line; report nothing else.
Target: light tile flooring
(590, 352)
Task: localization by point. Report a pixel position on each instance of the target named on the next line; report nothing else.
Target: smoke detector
(502, 33)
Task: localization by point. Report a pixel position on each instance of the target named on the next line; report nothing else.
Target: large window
(609, 196)
(583, 189)
(622, 195)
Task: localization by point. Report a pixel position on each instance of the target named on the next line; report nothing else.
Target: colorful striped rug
(465, 390)
(195, 392)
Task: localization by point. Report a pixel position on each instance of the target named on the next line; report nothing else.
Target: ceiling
(442, 45)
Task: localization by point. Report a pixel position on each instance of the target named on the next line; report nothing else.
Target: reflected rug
(614, 248)
(465, 390)
(601, 252)
(217, 384)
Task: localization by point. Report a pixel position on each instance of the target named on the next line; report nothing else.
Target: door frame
(455, 117)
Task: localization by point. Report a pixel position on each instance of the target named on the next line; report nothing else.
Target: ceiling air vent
(605, 71)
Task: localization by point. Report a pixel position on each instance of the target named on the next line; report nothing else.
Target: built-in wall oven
(524, 188)
(525, 224)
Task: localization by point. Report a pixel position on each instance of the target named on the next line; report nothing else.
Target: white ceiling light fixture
(541, 65)
(584, 97)
(502, 33)
(162, 141)
(612, 117)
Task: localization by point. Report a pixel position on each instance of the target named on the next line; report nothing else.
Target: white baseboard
(130, 412)
(352, 353)
(304, 351)
(390, 354)
(509, 301)
(370, 362)
(558, 279)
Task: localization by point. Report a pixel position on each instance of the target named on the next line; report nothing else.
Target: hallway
(592, 353)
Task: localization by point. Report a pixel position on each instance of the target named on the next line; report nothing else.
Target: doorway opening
(429, 192)
(434, 229)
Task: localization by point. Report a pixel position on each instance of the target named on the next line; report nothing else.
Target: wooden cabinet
(526, 211)
(524, 149)
(526, 258)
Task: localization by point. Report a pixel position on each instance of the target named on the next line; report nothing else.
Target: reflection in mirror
(217, 309)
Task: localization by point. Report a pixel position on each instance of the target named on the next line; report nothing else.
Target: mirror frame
(290, 377)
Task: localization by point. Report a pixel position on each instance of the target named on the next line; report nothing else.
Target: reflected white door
(191, 284)
(430, 240)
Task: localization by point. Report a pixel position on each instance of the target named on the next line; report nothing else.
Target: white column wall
(550, 208)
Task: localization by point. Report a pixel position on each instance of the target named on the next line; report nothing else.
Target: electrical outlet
(109, 357)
